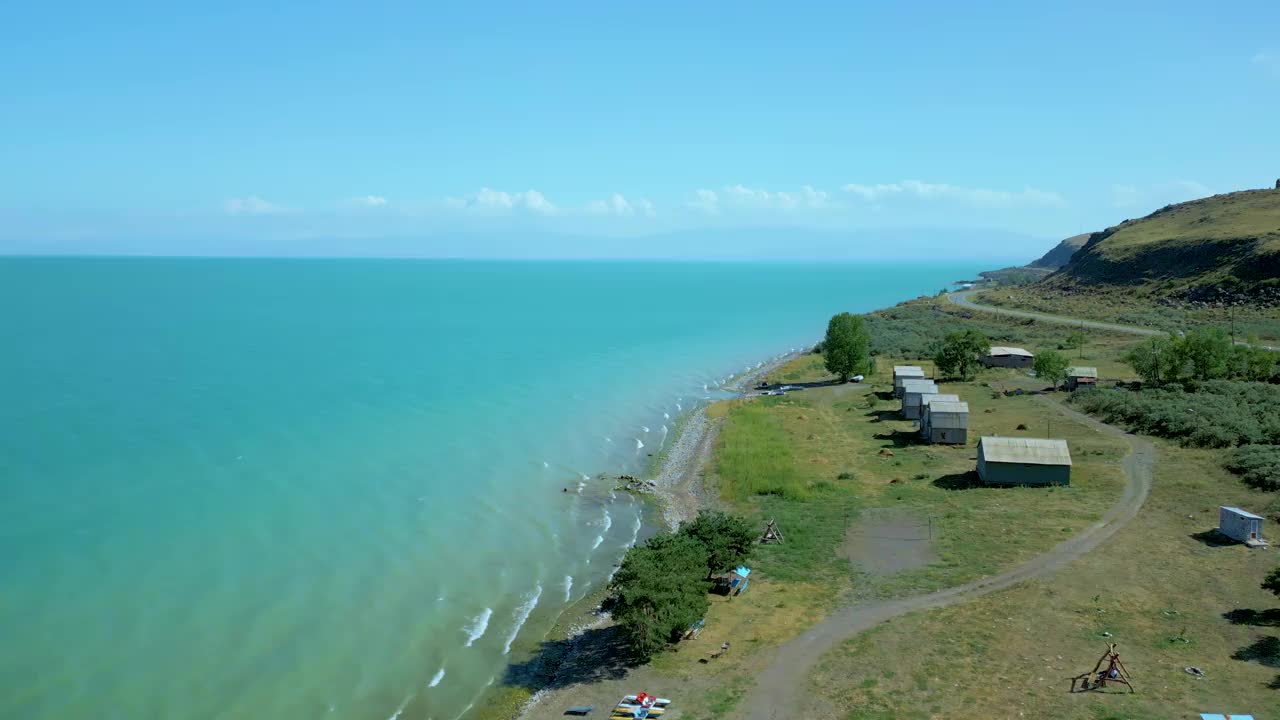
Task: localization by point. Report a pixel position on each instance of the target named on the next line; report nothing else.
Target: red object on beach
(642, 699)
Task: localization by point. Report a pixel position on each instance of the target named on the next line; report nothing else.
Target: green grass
(1010, 654)
(755, 458)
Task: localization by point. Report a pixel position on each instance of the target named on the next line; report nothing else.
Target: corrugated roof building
(1023, 461)
(905, 372)
(912, 390)
(924, 406)
(1012, 357)
(947, 422)
(1081, 376)
(1240, 525)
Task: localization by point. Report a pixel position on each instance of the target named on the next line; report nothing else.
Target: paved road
(781, 688)
(962, 299)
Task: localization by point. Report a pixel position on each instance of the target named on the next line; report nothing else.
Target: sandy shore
(681, 486)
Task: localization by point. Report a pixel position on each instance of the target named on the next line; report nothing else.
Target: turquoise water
(333, 489)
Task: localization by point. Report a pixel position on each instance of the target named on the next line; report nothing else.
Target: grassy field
(1168, 597)
(911, 329)
(1134, 306)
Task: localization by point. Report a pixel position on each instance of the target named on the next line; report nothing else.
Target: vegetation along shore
(905, 583)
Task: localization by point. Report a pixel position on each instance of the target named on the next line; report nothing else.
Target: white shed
(905, 372)
(1240, 525)
(912, 390)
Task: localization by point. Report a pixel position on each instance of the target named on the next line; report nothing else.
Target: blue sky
(531, 129)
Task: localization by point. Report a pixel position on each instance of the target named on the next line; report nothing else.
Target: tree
(847, 347)
(1208, 349)
(1157, 360)
(1252, 361)
(1272, 581)
(958, 356)
(1075, 341)
(727, 539)
(659, 591)
(1051, 365)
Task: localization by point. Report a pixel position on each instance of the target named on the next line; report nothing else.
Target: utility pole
(1081, 340)
(1232, 310)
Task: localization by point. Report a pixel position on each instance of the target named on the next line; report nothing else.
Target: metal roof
(1029, 451)
(947, 406)
(903, 370)
(1002, 350)
(1244, 513)
(1082, 372)
(919, 385)
(925, 400)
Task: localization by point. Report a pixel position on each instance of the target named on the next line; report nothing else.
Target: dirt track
(779, 689)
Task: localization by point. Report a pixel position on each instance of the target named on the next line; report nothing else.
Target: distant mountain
(1215, 248)
(1061, 254)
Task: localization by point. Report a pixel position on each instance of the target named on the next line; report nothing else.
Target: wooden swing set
(1097, 678)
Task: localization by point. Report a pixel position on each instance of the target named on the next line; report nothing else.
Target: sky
(686, 130)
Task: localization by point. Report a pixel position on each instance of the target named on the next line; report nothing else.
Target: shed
(912, 390)
(1011, 357)
(925, 400)
(1023, 461)
(905, 372)
(948, 422)
(1240, 525)
(1081, 376)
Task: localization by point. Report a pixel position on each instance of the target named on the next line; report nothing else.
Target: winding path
(962, 299)
(780, 688)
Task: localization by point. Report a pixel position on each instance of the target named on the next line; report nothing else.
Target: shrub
(1257, 465)
(1216, 414)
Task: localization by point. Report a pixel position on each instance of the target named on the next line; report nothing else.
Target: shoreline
(680, 493)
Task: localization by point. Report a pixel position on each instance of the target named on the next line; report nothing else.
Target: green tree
(727, 539)
(847, 347)
(1208, 349)
(958, 356)
(1252, 361)
(1158, 360)
(1051, 365)
(660, 590)
(1272, 581)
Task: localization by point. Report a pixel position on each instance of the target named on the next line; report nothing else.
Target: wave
(522, 615)
(585, 477)
(568, 587)
(608, 521)
(478, 626)
(400, 709)
(635, 532)
(639, 445)
(596, 544)
(435, 679)
(679, 407)
(664, 429)
(608, 439)
(666, 416)
(546, 464)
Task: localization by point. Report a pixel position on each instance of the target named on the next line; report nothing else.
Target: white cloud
(617, 204)
(498, 201)
(1152, 197)
(979, 197)
(1268, 60)
(365, 201)
(251, 205)
(745, 198)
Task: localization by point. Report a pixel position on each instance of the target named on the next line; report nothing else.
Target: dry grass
(1159, 592)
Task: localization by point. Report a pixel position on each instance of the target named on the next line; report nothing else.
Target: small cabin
(924, 406)
(905, 372)
(738, 580)
(1241, 525)
(912, 392)
(1023, 461)
(948, 423)
(1081, 377)
(1008, 357)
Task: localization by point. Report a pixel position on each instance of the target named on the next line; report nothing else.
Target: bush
(1216, 414)
(1257, 465)
(727, 540)
(915, 330)
(659, 591)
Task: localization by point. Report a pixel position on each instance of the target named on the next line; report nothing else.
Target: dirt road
(962, 299)
(780, 688)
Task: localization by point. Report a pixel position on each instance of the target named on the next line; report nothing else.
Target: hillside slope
(1226, 244)
(1061, 254)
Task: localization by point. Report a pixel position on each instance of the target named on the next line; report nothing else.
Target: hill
(1225, 247)
(1061, 254)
